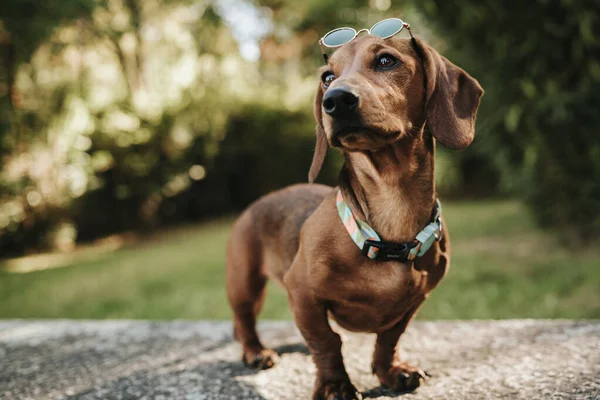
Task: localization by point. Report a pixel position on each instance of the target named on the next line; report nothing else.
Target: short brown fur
(296, 237)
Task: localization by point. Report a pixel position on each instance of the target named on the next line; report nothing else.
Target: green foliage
(115, 111)
(539, 62)
(24, 26)
(30, 22)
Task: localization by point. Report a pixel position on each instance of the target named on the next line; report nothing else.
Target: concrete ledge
(513, 359)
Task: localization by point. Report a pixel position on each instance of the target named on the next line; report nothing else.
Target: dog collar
(371, 245)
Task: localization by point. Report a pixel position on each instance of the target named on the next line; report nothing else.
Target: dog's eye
(327, 78)
(386, 61)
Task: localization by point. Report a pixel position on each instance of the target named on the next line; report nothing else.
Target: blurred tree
(119, 113)
(539, 62)
(24, 25)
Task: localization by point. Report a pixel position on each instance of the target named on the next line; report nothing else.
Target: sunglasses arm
(323, 51)
(407, 26)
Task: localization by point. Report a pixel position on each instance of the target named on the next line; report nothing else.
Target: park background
(133, 131)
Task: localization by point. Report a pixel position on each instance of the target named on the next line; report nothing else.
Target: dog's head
(376, 91)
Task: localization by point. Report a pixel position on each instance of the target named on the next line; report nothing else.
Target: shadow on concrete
(381, 391)
(180, 379)
(292, 348)
(214, 380)
(211, 380)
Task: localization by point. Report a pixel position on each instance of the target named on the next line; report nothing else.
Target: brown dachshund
(384, 103)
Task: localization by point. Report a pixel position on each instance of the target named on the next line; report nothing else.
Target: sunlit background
(133, 131)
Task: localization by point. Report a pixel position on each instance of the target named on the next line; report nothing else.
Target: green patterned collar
(373, 247)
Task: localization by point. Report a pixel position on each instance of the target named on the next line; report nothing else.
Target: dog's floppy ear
(452, 99)
(321, 146)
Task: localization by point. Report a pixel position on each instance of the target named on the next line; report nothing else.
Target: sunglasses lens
(387, 27)
(339, 37)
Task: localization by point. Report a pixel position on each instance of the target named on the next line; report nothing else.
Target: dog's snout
(339, 102)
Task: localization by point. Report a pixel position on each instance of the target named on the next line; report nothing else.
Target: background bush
(124, 115)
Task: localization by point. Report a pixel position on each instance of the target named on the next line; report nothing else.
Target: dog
(384, 103)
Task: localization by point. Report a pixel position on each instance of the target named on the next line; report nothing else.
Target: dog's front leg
(332, 381)
(393, 373)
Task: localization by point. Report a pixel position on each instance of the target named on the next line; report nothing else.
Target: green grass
(502, 267)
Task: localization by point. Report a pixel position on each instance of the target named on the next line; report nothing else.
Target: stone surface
(514, 359)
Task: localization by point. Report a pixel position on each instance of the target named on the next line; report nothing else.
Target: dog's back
(265, 237)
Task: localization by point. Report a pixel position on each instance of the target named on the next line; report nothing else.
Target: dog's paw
(263, 359)
(343, 390)
(401, 377)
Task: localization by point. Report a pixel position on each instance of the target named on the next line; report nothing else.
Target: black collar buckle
(389, 251)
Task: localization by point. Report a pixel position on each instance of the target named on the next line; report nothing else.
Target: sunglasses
(340, 36)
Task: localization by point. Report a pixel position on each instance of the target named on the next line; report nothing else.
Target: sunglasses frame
(356, 33)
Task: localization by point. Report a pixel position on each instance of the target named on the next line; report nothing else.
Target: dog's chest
(377, 297)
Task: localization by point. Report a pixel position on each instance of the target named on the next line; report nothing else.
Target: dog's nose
(340, 102)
